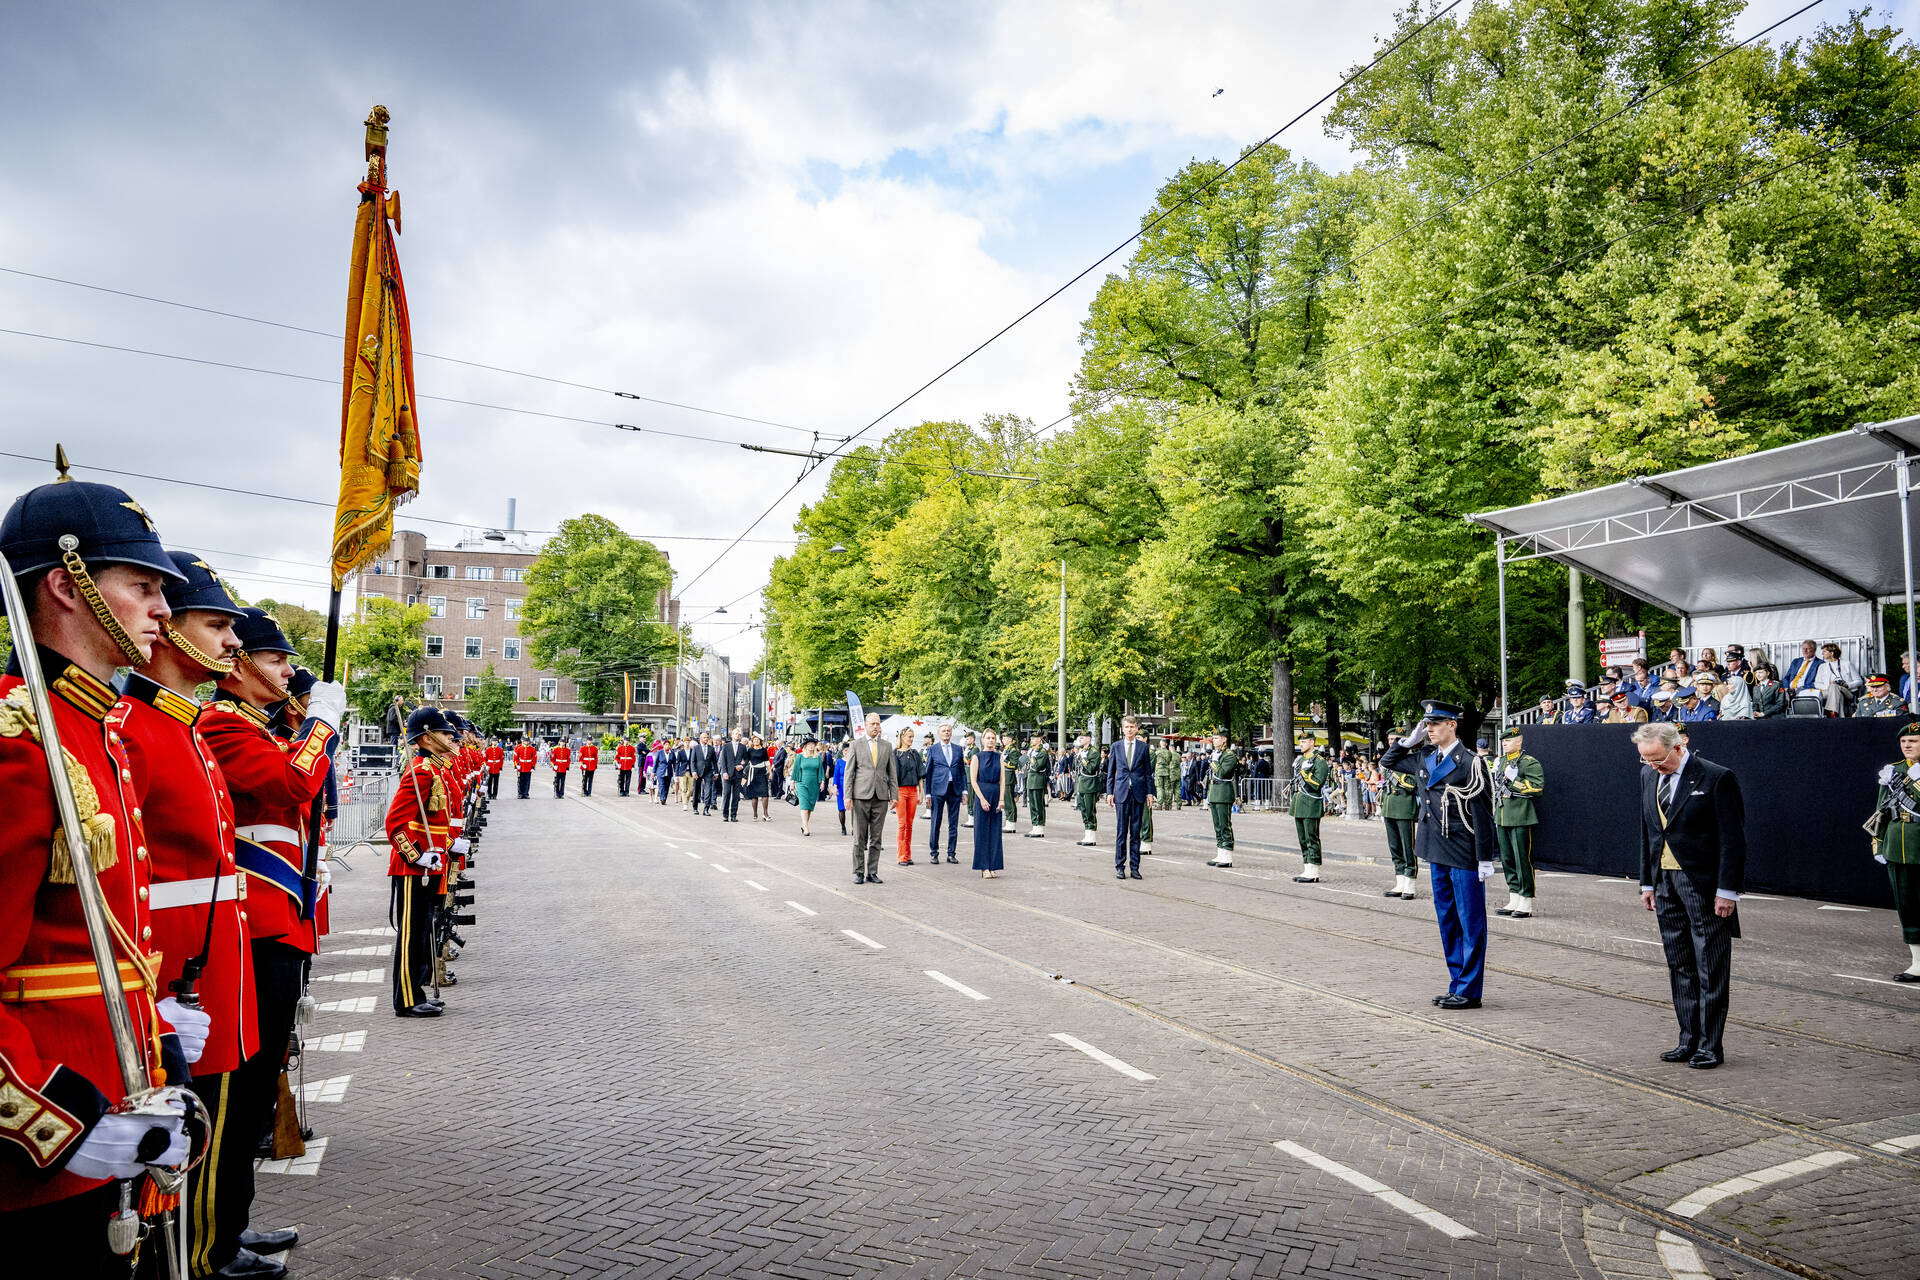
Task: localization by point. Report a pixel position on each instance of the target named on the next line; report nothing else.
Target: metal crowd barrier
(362, 818)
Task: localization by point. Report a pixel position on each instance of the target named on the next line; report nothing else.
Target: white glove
(111, 1149)
(327, 703)
(1488, 870)
(1418, 736)
(1886, 775)
(189, 1024)
(430, 860)
(326, 875)
(1913, 771)
(462, 844)
(1880, 858)
(1513, 773)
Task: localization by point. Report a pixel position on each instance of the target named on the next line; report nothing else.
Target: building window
(436, 606)
(413, 599)
(510, 649)
(473, 647)
(430, 686)
(513, 573)
(436, 646)
(479, 573)
(643, 690)
(550, 690)
(513, 683)
(706, 686)
(439, 571)
(468, 685)
(476, 607)
(513, 610)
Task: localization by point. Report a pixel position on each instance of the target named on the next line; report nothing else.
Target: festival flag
(379, 438)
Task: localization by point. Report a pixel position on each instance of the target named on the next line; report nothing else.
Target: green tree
(490, 706)
(306, 630)
(383, 643)
(595, 608)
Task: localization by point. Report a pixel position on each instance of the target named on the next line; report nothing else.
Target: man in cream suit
(871, 786)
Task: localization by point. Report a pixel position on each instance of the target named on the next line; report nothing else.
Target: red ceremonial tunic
(496, 758)
(589, 758)
(624, 756)
(189, 829)
(273, 784)
(58, 1070)
(562, 757)
(525, 756)
(417, 819)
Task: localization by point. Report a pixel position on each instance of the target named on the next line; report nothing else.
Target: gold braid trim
(96, 828)
(91, 594)
(278, 690)
(218, 666)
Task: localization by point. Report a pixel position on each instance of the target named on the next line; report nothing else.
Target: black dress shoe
(1906, 977)
(1705, 1061)
(873, 878)
(1504, 911)
(250, 1264)
(1521, 915)
(1119, 875)
(1391, 893)
(1135, 874)
(1457, 1002)
(1679, 1053)
(951, 858)
(270, 1241)
(1407, 897)
(1438, 999)
(859, 878)
(421, 1010)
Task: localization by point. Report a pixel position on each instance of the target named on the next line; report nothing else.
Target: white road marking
(1895, 1146)
(961, 987)
(357, 975)
(332, 1089)
(358, 1004)
(1760, 897)
(756, 884)
(1682, 1259)
(1554, 875)
(1379, 1190)
(1351, 893)
(340, 1042)
(808, 911)
(307, 1164)
(691, 854)
(863, 938)
(1617, 937)
(717, 867)
(1834, 906)
(1101, 1055)
(362, 933)
(356, 951)
(1882, 981)
(1614, 880)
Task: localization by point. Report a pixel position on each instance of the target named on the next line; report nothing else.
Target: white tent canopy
(1812, 530)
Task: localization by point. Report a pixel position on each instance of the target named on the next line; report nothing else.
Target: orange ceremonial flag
(379, 438)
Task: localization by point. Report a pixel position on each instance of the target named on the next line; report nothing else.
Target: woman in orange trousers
(907, 767)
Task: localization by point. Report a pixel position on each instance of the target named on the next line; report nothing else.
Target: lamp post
(1370, 700)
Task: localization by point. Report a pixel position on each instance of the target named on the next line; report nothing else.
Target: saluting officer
(1038, 767)
(561, 758)
(1455, 837)
(91, 571)
(1398, 809)
(1086, 790)
(496, 758)
(526, 757)
(420, 837)
(624, 757)
(1898, 846)
(1309, 802)
(1518, 781)
(1224, 772)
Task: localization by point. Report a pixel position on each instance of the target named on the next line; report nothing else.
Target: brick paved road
(657, 1063)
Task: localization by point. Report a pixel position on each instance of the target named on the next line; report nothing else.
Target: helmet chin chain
(194, 653)
(83, 581)
(278, 690)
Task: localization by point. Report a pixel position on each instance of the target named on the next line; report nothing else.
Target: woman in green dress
(807, 771)
(1897, 845)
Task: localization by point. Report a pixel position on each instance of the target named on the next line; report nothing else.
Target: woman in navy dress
(984, 772)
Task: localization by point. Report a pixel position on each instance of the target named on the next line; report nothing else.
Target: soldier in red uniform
(589, 765)
(421, 838)
(624, 758)
(91, 570)
(561, 757)
(198, 919)
(496, 761)
(273, 785)
(525, 757)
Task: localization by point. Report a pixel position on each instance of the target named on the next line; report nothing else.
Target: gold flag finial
(377, 120)
(60, 464)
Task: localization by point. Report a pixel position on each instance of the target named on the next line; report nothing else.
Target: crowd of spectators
(1818, 681)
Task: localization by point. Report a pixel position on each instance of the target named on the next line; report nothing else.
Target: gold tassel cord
(83, 580)
(218, 666)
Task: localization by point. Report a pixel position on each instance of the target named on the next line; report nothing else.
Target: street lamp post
(1371, 701)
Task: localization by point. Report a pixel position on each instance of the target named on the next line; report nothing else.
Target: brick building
(474, 591)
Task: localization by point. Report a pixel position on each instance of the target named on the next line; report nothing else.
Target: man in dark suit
(1693, 869)
(706, 775)
(1454, 795)
(733, 775)
(946, 788)
(872, 784)
(1129, 785)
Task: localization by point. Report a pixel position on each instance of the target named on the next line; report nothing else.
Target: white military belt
(266, 832)
(192, 893)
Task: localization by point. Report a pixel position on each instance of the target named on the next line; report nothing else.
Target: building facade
(474, 591)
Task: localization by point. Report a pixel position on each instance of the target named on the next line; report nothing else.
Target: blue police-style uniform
(1454, 837)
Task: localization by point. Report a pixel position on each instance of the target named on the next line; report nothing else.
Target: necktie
(1672, 786)
(873, 751)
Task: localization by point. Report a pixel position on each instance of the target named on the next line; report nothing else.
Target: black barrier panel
(1808, 785)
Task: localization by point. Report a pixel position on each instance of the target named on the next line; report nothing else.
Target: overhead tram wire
(1640, 100)
(424, 355)
(406, 518)
(1149, 225)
